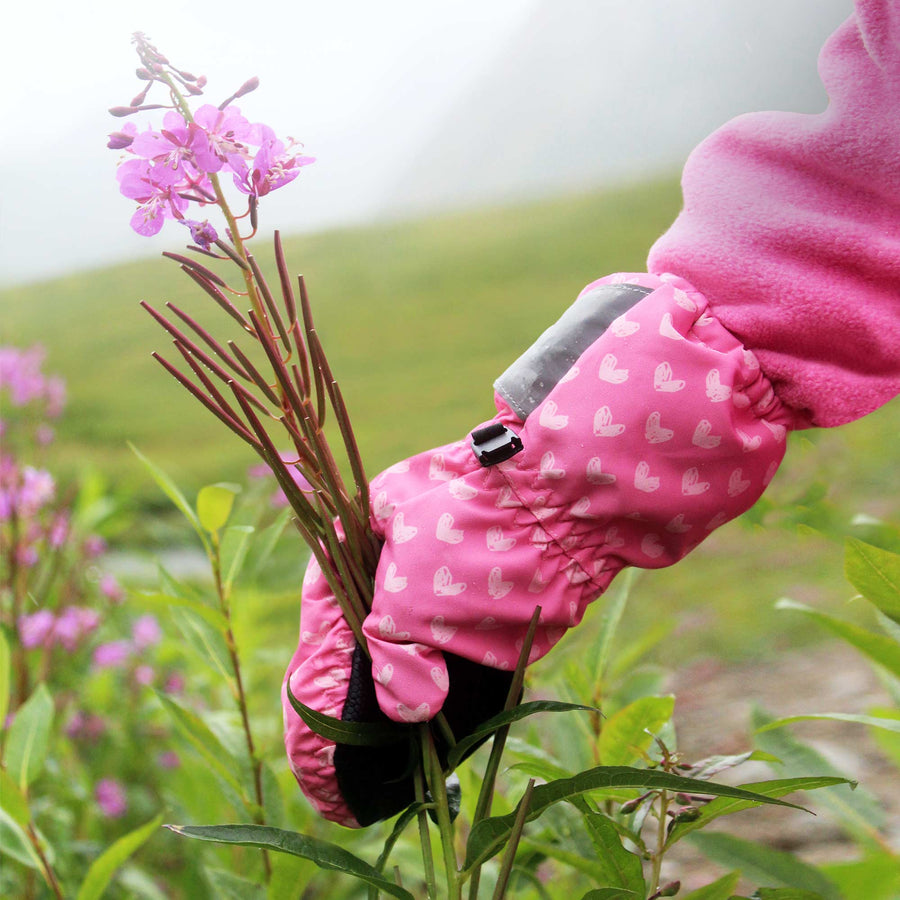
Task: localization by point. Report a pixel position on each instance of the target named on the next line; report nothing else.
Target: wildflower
(37, 489)
(144, 675)
(85, 727)
(110, 797)
(202, 233)
(168, 760)
(227, 131)
(157, 188)
(94, 546)
(111, 589)
(59, 531)
(273, 166)
(112, 655)
(36, 629)
(73, 625)
(146, 632)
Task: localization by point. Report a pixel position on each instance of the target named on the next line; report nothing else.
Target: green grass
(418, 318)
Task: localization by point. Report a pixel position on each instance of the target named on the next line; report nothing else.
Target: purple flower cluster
(21, 377)
(171, 168)
(67, 629)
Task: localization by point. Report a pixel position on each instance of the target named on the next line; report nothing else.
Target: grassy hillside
(418, 319)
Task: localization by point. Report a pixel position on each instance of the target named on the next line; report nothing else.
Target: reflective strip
(528, 381)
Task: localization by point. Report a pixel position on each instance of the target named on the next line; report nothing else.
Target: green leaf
(622, 869)
(857, 809)
(875, 877)
(166, 602)
(875, 573)
(608, 893)
(206, 640)
(886, 724)
(29, 738)
(15, 844)
(268, 540)
(202, 739)
(228, 886)
(762, 864)
(214, 503)
(723, 806)
(517, 713)
(489, 835)
(628, 732)
(785, 894)
(12, 800)
(880, 649)
(235, 544)
(170, 489)
(103, 868)
(613, 610)
(5, 680)
(403, 820)
(324, 854)
(357, 734)
(721, 889)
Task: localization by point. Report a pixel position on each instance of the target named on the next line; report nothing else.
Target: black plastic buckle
(495, 443)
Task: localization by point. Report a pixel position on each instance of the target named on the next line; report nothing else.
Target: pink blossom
(44, 435)
(59, 531)
(226, 130)
(94, 546)
(111, 589)
(112, 655)
(157, 188)
(202, 233)
(146, 632)
(177, 144)
(144, 675)
(175, 683)
(85, 727)
(74, 624)
(36, 629)
(110, 797)
(36, 490)
(26, 556)
(273, 167)
(168, 760)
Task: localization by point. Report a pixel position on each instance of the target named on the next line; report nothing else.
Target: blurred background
(478, 163)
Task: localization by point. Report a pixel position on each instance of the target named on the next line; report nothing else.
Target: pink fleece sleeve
(791, 228)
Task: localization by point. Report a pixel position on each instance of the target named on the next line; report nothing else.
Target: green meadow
(418, 318)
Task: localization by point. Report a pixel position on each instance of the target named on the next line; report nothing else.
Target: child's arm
(791, 229)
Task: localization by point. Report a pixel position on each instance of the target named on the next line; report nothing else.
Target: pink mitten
(634, 427)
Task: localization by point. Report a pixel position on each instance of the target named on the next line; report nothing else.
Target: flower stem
(438, 787)
(660, 851)
(240, 695)
(424, 836)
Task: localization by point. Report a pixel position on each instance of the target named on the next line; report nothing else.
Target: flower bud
(118, 140)
(670, 889)
(144, 75)
(122, 111)
(251, 84)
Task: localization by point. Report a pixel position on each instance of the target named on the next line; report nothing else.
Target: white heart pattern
(737, 484)
(667, 329)
(388, 629)
(381, 507)
(748, 444)
(595, 473)
(394, 583)
(437, 471)
(548, 467)
(651, 546)
(440, 631)
(691, 485)
(715, 390)
(603, 424)
(678, 525)
(643, 480)
(549, 419)
(609, 372)
(497, 542)
(682, 299)
(663, 379)
(440, 678)
(385, 674)
(612, 539)
(581, 509)
(444, 585)
(460, 490)
(654, 431)
(571, 375)
(446, 532)
(703, 436)
(488, 624)
(420, 714)
(402, 532)
(622, 327)
(497, 587)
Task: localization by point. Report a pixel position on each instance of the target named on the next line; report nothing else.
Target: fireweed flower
(37, 489)
(110, 797)
(73, 625)
(144, 675)
(112, 655)
(146, 632)
(36, 629)
(111, 589)
(178, 145)
(94, 546)
(202, 233)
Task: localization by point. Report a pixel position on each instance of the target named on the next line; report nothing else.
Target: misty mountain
(590, 91)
